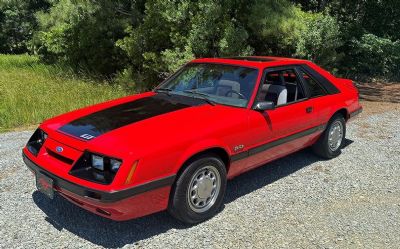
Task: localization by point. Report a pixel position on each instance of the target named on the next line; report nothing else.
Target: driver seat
(224, 86)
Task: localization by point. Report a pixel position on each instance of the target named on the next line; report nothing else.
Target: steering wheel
(241, 96)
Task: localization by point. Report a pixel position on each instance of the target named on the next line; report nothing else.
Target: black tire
(321, 147)
(179, 206)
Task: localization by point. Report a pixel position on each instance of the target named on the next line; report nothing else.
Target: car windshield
(215, 83)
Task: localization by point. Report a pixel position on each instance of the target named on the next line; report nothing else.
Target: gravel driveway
(299, 201)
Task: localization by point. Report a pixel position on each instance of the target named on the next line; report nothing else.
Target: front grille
(59, 157)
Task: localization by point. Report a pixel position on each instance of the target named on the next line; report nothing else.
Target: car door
(287, 128)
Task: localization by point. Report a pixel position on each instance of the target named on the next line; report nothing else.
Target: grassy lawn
(31, 91)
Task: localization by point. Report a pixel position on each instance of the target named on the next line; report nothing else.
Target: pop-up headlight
(96, 168)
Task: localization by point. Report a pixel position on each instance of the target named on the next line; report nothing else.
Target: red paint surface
(126, 209)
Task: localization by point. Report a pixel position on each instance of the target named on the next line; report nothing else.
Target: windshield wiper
(164, 90)
(204, 96)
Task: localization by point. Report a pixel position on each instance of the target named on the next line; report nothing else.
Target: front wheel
(330, 143)
(199, 191)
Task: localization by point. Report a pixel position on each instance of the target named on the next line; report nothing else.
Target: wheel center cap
(204, 188)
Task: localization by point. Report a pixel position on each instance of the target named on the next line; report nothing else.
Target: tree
(173, 32)
(369, 30)
(320, 40)
(82, 33)
(18, 23)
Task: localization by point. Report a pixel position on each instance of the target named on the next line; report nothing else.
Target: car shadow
(62, 214)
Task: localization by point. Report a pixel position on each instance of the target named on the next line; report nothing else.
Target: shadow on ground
(63, 215)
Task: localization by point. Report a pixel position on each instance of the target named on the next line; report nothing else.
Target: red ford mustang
(175, 147)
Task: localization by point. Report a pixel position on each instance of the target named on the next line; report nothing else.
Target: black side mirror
(264, 105)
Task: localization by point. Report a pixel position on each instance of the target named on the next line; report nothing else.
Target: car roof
(252, 61)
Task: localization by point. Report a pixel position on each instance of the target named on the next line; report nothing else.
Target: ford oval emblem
(59, 149)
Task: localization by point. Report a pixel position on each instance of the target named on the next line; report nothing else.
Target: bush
(18, 23)
(82, 34)
(137, 43)
(173, 32)
(320, 40)
(373, 55)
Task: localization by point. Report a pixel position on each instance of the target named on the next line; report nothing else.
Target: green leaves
(140, 42)
(83, 34)
(174, 32)
(377, 56)
(320, 40)
(18, 23)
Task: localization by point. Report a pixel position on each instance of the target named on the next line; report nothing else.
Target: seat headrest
(230, 83)
(233, 85)
(265, 87)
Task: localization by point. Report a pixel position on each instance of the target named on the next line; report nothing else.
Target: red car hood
(132, 125)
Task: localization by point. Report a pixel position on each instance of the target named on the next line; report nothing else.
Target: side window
(313, 86)
(281, 87)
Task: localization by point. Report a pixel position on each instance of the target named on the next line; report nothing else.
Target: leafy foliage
(82, 34)
(377, 56)
(320, 40)
(17, 24)
(140, 42)
(173, 32)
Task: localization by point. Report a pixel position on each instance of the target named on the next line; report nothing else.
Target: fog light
(115, 165)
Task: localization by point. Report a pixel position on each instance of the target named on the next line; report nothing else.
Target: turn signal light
(130, 174)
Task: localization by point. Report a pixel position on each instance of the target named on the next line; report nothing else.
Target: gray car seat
(226, 85)
(275, 91)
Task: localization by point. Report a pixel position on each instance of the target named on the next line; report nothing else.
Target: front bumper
(126, 204)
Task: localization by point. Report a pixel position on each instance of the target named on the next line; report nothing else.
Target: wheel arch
(219, 151)
(343, 111)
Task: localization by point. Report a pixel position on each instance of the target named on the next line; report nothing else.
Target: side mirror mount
(264, 105)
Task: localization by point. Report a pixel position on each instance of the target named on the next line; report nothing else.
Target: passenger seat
(224, 86)
(277, 94)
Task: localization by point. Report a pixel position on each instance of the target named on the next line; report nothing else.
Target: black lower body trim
(96, 194)
(275, 143)
(355, 113)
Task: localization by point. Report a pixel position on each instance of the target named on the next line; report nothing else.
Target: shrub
(376, 56)
(320, 40)
(173, 32)
(82, 34)
(18, 23)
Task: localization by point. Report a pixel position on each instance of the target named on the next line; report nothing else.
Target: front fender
(198, 148)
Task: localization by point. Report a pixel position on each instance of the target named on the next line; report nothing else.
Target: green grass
(31, 91)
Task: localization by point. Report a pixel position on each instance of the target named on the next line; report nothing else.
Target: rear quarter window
(314, 88)
(328, 86)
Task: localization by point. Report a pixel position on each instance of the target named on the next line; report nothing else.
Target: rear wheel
(199, 191)
(330, 143)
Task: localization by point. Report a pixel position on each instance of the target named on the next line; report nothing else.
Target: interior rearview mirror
(264, 105)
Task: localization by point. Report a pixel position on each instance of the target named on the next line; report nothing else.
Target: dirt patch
(378, 91)
(371, 107)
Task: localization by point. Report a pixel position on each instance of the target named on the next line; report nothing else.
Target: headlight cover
(36, 141)
(98, 162)
(96, 168)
